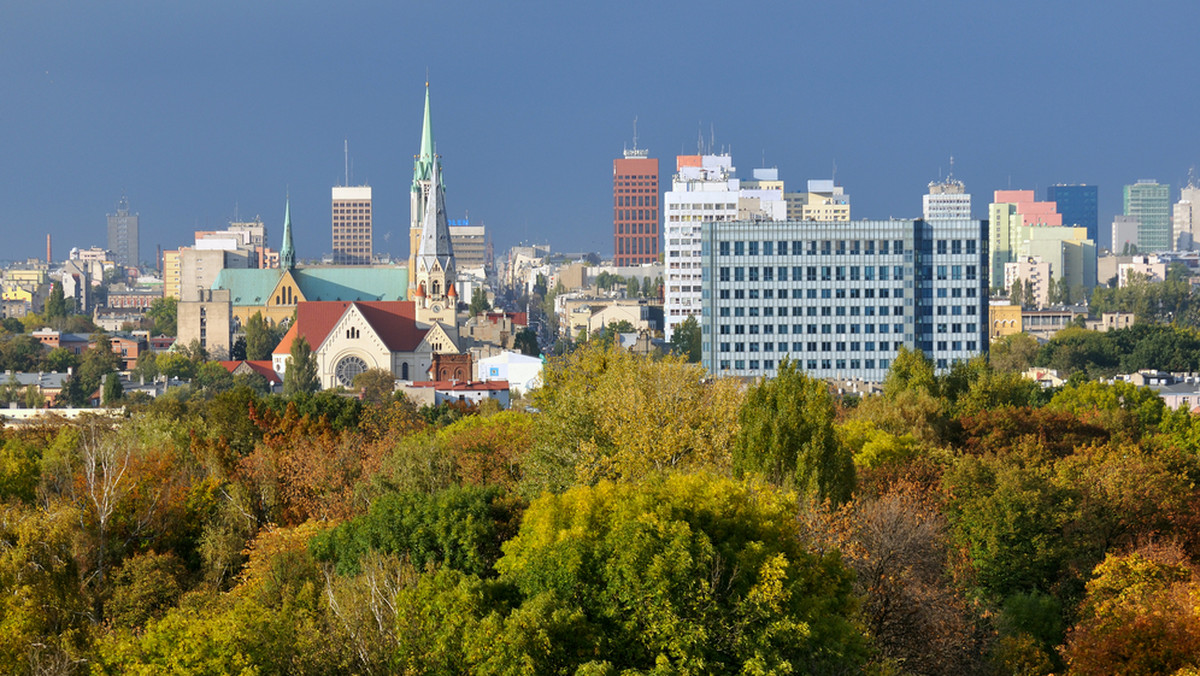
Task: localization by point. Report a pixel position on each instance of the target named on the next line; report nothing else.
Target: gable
(286, 291)
(437, 340)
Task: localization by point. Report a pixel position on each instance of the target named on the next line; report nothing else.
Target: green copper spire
(423, 167)
(287, 254)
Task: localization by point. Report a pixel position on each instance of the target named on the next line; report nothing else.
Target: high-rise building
(635, 208)
(1124, 235)
(431, 264)
(470, 244)
(1150, 202)
(1186, 217)
(841, 298)
(1023, 228)
(352, 225)
(1009, 211)
(946, 199)
(1078, 205)
(703, 189)
(123, 235)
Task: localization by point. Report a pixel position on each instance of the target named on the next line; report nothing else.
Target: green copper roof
(423, 167)
(253, 286)
(287, 253)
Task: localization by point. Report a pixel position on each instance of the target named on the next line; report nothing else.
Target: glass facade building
(841, 298)
(1078, 205)
(1150, 203)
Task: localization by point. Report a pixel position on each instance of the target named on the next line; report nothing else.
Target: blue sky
(202, 110)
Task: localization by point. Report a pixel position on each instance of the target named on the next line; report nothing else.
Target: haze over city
(204, 113)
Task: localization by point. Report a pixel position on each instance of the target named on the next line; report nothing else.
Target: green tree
(260, 339)
(685, 340)
(113, 392)
(479, 302)
(163, 312)
(787, 435)
(632, 287)
(376, 385)
(648, 288)
(684, 574)
(301, 374)
(60, 359)
(526, 343)
(1016, 293)
(1013, 353)
(56, 304)
(213, 377)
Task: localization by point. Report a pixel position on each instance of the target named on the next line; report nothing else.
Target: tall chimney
(48, 259)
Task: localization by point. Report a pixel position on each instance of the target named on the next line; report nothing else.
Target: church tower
(431, 270)
(287, 253)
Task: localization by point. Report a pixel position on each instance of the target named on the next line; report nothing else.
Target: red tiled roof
(394, 321)
(263, 368)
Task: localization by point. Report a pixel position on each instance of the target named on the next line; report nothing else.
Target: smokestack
(48, 259)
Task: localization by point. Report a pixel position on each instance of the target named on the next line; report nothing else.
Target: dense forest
(632, 517)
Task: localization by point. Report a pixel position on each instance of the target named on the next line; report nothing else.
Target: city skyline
(204, 114)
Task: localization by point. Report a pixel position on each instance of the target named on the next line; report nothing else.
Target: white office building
(705, 189)
(841, 298)
(946, 199)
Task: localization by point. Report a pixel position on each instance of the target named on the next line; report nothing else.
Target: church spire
(287, 253)
(423, 167)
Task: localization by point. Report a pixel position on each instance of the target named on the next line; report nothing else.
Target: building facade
(352, 225)
(1078, 205)
(946, 199)
(470, 244)
(123, 235)
(1185, 217)
(1150, 203)
(635, 208)
(840, 299)
(703, 189)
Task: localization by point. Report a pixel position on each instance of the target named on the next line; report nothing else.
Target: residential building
(1022, 228)
(840, 299)
(947, 199)
(1078, 205)
(352, 225)
(704, 189)
(1004, 317)
(635, 207)
(204, 316)
(1150, 203)
(523, 373)
(1150, 268)
(172, 274)
(1033, 274)
(123, 235)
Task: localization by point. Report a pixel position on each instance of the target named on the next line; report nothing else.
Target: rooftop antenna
(764, 158)
(950, 176)
(1192, 177)
(635, 132)
(712, 137)
(834, 176)
(346, 151)
(699, 138)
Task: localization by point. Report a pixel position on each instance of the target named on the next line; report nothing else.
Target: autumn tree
(787, 435)
(376, 385)
(163, 312)
(1139, 616)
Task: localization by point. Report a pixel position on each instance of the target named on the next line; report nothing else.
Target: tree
(113, 391)
(526, 343)
(260, 338)
(787, 436)
(1016, 293)
(648, 288)
(301, 374)
(479, 302)
(685, 340)
(163, 312)
(376, 385)
(1029, 297)
(1139, 616)
(1013, 353)
(60, 359)
(681, 574)
(632, 287)
(56, 304)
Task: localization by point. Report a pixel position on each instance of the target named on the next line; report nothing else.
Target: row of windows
(636, 201)
(824, 273)
(637, 228)
(769, 294)
(637, 245)
(841, 346)
(814, 311)
(827, 329)
(840, 247)
(810, 365)
(635, 215)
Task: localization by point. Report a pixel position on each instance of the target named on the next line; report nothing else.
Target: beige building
(1033, 271)
(470, 245)
(1150, 268)
(1004, 318)
(823, 201)
(352, 243)
(172, 279)
(204, 315)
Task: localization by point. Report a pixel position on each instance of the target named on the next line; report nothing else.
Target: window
(723, 274)
(723, 248)
(739, 274)
(782, 271)
(739, 248)
(753, 248)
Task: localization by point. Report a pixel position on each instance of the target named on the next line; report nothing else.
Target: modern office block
(635, 208)
(123, 235)
(1150, 203)
(841, 298)
(1078, 205)
(352, 225)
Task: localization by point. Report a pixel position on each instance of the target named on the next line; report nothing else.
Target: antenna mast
(346, 150)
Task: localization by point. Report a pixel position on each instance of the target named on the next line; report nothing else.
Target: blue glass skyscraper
(1077, 204)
